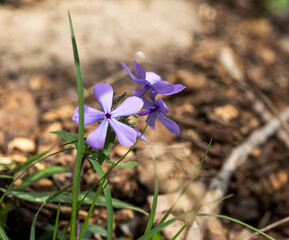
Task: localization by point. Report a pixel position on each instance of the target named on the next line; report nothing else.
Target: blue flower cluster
(127, 135)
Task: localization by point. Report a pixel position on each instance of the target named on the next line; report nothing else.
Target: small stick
(220, 183)
(273, 225)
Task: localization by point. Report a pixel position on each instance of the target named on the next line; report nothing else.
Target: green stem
(73, 232)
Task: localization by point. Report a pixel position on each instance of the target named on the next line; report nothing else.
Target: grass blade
(31, 160)
(80, 133)
(156, 193)
(32, 231)
(44, 173)
(236, 221)
(25, 170)
(161, 226)
(179, 232)
(108, 199)
(6, 176)
(91, 209)
(3, 234)
(187, 185)
(56, 222)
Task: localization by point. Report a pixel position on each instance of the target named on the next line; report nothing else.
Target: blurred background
(231, 55)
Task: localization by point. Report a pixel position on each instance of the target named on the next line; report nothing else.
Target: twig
(273, 225)
(220, 183)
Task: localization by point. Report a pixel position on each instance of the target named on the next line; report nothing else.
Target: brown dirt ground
(215, 105)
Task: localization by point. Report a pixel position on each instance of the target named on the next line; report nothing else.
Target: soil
(231, 56)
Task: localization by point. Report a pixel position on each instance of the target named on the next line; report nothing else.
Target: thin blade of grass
(236, 221)
(156, 193)
(3, 234)
(161, 226)
(80, 133)
(44, 173)
(179, 232)
(6, 176)
(91, 209)
(32, 231)
(26, 169)
(108, 199)
(56, 222)
(187, 185)
(31, 160)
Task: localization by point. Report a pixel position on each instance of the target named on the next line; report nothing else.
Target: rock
(45, 185)
(23, 144)
(232, 63)
(226, 112)
(61, 113)
(18, 114)
(5, 160)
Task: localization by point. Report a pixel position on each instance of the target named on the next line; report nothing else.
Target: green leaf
(68, 137)
(83, 230)
(41, 197)
(44, 173)
(3, 234)
(93, 229)
(103, 154)
(130, 164)
(157, 236)
(108, 199)
(30, 160)
(6, 176)
(56, 222)
(118, 99)
(156, 194)
(48, 199)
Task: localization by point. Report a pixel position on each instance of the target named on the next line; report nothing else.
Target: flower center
(108, 115)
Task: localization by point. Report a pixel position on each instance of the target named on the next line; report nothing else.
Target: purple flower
(103, 93)
(150, 80)
(157, 109)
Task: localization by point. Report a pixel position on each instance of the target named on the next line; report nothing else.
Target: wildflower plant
(113, 122)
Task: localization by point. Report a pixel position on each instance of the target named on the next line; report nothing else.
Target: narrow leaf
(156, 194)
(56, 222)
(44, 173)
(3, 234)
(80, 133)
(108, 199)
(30, 160)
(66, 197)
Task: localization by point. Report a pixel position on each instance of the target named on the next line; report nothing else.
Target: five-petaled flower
(152, 81)
(157, 109)
(126, 135)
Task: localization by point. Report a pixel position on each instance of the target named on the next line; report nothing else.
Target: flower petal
(151, 119)
(163, 87)
(142, 136)
(125, 134)
(103, 92)
(138, 81)
(152, 95)
(147, 104)
(177, 88)
(152, 77)
(128, 107)
(169, 124)
(96, 139)
(162, 106)
(91, 115)
(139, 71)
